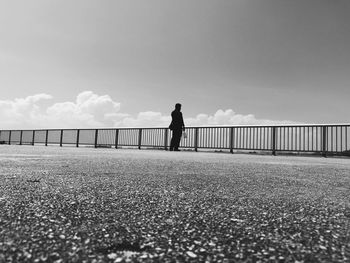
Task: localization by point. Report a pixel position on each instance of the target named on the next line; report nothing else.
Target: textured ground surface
(107, 205)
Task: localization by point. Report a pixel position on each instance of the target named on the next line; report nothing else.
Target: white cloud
(229, 117)
(21, 112)
(146, 119)
(90, 110)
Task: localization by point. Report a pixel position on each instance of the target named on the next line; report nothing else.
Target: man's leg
(172, 141)
(177, 138)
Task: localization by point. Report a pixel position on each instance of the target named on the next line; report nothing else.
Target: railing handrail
(316, 138)
(187, 127)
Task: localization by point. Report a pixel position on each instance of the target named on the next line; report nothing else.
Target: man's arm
(183, 124)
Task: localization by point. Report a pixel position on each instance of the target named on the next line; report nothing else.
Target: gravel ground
(106, 205)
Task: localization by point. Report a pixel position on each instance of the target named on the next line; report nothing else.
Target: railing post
(46, 137)
(96, 137)
(116, 138)
(231, 139)
(10, 137)
(140, 138)
(324, 141)
(61, 138)
(274, 141)
(20, 137)
(78, 135)
(33, 138)
(166, 139)
(196, 139)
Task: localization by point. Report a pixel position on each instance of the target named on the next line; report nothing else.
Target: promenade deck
(122, 205)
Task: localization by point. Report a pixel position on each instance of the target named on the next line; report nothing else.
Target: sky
(125, 63)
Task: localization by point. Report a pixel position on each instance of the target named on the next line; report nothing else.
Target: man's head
(178, 106)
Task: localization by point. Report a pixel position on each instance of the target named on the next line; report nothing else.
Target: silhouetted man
(177, 126)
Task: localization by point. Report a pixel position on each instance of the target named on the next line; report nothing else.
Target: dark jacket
(177, 122)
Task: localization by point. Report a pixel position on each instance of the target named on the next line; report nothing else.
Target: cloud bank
(90, 110)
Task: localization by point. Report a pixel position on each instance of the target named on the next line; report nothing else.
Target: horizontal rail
(321, 139)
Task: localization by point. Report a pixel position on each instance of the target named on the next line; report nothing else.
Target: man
(177, 126)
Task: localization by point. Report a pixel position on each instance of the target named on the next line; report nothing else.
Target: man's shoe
(177, 150)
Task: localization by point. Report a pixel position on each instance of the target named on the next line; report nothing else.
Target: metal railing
(321, 139)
